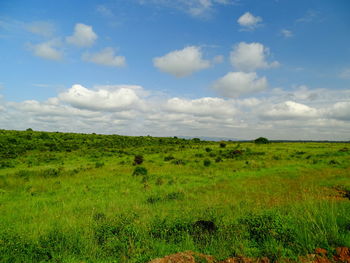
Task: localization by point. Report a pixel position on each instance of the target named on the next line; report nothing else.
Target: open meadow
(106, 198)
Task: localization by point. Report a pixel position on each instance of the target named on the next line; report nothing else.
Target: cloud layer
(125, 109)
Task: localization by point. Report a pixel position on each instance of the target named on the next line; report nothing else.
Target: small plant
(138, 159)
(206, 162)
(261, 140)
(140, 170)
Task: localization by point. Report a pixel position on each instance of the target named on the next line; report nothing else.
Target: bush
(138, 159)
(208, 149)
(222, 145)
(139, 170)
(261, 140)
(206, 162)
(169, 158)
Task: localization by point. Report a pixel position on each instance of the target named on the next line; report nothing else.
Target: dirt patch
(342, 192)
(185, 257)
(342, 255)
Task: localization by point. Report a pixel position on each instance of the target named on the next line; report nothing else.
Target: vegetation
(85, 198)
(261, 140)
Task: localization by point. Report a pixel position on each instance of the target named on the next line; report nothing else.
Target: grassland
(81, 198)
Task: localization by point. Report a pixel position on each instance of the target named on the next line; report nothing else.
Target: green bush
(206, 162)
(140, 170)
(261, 140)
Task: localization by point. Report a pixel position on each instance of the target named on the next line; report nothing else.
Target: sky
(203, 68)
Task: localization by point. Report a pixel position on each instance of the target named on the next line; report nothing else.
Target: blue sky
(228, 68)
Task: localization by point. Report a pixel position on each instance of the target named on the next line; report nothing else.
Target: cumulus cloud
(234, 84)
(83, 36)
(106, 57)
(249, 22)
(290, 110)
(201, 107)
(105, 98)
(287, 33)
(251, 56)
(48, 50)
(182, 63)
(42, 28)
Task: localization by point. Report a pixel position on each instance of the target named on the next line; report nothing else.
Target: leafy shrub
(208, 149)
(99, 164)
(261, 140)
(138, 159)
(175, 196)
(222, 145)
(178, 162)
(218, 159)
(169, 158)
(153, 199)
(206, 162)
(140, 170)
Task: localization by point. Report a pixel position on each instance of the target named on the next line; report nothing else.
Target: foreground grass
(278, 200)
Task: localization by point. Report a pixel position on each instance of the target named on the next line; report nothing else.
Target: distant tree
(29, 129)
(261, 140)
(222, 145)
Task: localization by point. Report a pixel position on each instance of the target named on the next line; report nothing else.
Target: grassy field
(82, 198)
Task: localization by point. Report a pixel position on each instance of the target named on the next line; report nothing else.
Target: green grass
(60, 203)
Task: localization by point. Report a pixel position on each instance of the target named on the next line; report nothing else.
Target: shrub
(208, 149)
(218, 160)
(261, 140)
(222, 145)
(206, 162)
(169, 158)
(178, 162)
(139, 170)
(138, 159)
(99, 165)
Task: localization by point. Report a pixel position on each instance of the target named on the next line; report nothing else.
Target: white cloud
(83, 36)
(249, 22)
(103, 10)
(340, 111)
(195, 8)
(287, 33)
(47, 50)
(290, 110)
(215, 107)
(310, 16)
(234, 84)
(345, 73)
(182, 63)
(218, 59)
(251, 56)
(105, 98)
(106, 57)
(42, 28)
